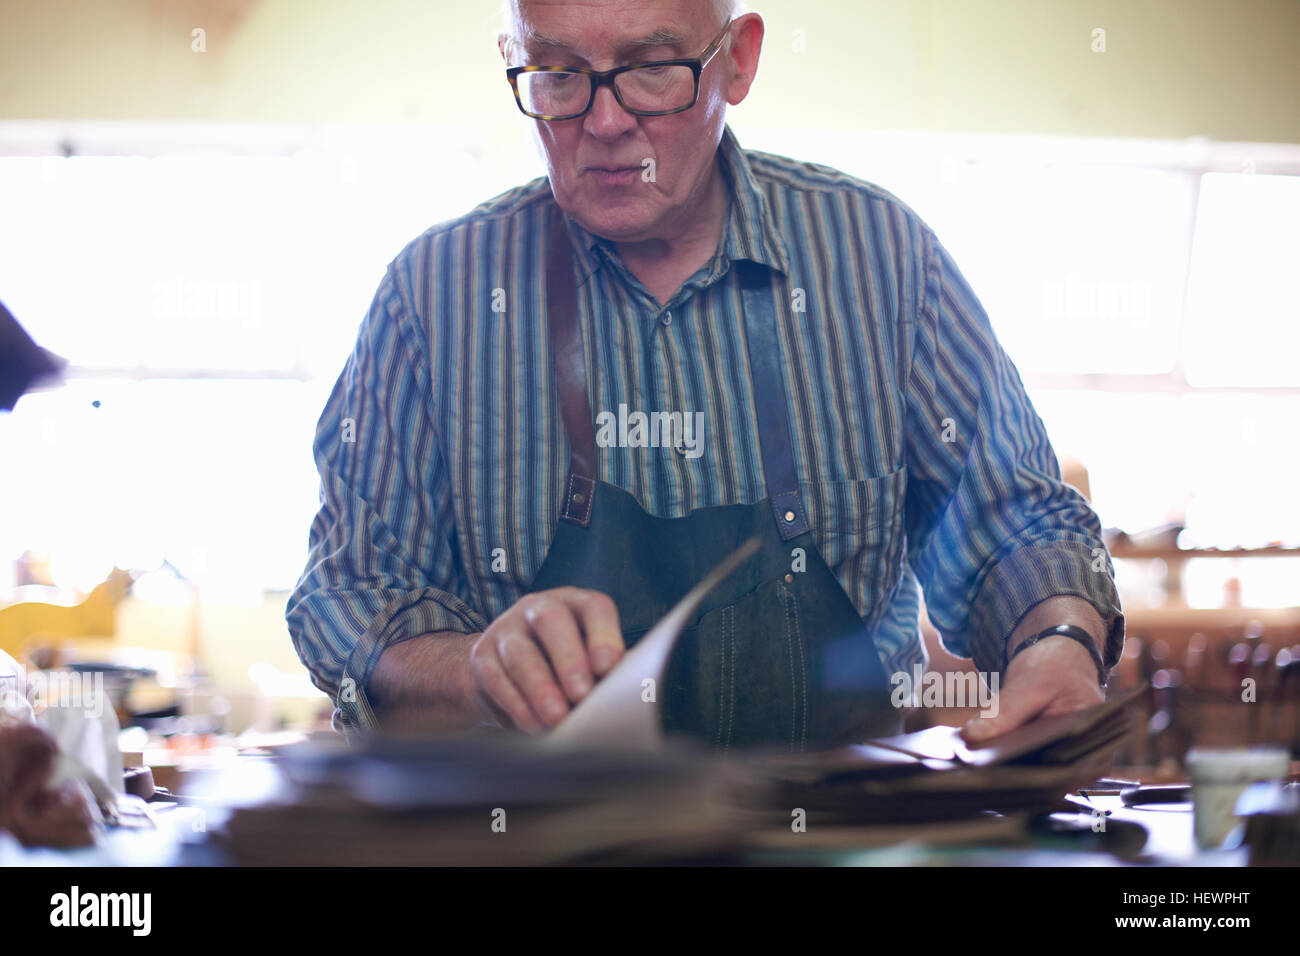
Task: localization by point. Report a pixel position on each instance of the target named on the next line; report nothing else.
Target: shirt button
(666, 318)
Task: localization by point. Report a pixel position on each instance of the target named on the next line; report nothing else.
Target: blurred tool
(23, 363)
(1220, 777)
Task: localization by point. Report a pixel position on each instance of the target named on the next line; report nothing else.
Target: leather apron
(776, 657)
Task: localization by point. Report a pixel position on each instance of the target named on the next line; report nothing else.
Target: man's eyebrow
(656, 38)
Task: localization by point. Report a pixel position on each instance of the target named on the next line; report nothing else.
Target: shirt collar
(750, 232)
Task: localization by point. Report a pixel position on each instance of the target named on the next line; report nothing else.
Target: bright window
(209, 301)
(1243, 315)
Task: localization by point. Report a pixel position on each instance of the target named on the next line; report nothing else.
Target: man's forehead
(609, 26)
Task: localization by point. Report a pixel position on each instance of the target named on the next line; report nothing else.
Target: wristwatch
(1075, 634)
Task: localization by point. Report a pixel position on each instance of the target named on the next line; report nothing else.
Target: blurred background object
(23, 364)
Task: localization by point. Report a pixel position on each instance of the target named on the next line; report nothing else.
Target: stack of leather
(496, 800)
(484, 800)
(933, 775)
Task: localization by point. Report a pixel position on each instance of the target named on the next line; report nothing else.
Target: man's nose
(607, 119)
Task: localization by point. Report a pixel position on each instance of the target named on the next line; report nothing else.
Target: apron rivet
(577, 498)
(789, 579)
(789, 516)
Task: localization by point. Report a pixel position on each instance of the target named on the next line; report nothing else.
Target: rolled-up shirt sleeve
(992, 528)
(382, 566)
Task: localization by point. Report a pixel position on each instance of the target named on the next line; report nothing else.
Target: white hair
(723, 11)
(728, 9)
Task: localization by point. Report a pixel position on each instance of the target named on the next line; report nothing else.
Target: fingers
(555, 626)
(597, 615)
(526, 666)
(545, 654)
(1009, 711)
(519, 680)
(495, 688)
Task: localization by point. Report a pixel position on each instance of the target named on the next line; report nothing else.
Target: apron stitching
(789, 650)
(722, 682)
(731, 677)
(803, 675)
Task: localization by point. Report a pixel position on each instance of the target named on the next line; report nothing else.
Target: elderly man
(511, 496)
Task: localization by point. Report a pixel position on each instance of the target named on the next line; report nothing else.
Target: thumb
(1008, 712)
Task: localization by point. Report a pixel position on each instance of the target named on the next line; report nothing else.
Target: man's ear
(746, 45)
(503, 45)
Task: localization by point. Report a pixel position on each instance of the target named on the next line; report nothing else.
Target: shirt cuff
(1032, 574)
(425, 611)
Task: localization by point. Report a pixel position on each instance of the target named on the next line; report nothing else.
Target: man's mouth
(614, 175)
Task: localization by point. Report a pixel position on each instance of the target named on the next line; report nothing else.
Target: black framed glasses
(658, 88)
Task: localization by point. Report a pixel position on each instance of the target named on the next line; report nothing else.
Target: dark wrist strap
(1075, 634)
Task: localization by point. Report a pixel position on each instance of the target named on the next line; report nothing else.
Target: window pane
(1081, 266)
(1245, 459)
(1225, 464)
(235, 262)
(1081, 269)
(216, 477)
(1119, 437)
(1243, 315)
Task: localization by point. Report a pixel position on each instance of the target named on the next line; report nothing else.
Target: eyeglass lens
(652, 89)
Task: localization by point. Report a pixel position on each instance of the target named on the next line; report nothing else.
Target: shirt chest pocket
(858, 526)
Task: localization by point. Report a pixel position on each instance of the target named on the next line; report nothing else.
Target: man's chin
(615, 222)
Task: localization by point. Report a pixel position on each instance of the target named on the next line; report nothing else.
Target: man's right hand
(543, 655)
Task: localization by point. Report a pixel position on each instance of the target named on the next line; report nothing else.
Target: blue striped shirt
(442, 452)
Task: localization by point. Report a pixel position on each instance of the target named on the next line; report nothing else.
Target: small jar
(1220, 776)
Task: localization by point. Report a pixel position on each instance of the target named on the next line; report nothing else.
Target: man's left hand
(1055, 676)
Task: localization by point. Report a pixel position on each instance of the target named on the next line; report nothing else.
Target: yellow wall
(1226, 69)
(232, 638)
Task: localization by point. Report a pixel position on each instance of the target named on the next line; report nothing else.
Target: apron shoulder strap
(763, 340)
(570, 374)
